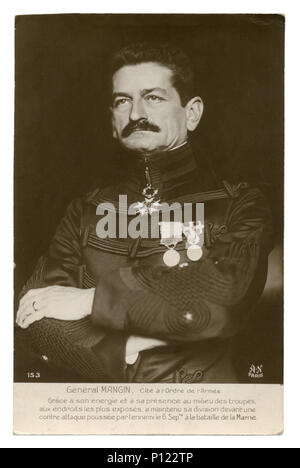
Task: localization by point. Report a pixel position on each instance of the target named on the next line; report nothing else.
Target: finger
(31, 293)
(23, 309)
(37, 316)
(22, 305)
(26, 302)
(29, 310)
(32, 319)
(28, 294)
(24, 313)
(39, 296)
(19, 311)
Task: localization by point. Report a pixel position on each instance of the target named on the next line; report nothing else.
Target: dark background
(63, 144)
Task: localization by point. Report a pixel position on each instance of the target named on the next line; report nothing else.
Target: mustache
(142, 124)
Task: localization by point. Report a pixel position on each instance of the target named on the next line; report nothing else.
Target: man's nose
(138, 110)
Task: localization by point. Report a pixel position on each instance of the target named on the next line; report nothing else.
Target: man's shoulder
(101, 194)
(223, 189)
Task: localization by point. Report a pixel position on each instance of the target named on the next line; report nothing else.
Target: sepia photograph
(166, 108)
(149, 155)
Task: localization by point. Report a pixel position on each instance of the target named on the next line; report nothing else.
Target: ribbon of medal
(150, 205)
(172, 233)
(194, 235)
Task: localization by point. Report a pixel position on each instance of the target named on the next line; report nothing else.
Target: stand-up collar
(170, 171)
(168, 162)
(175, 173)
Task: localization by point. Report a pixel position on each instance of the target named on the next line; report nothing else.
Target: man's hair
(162, 54)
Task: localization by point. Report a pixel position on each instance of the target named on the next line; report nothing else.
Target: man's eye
(154, 98)
(121, 102)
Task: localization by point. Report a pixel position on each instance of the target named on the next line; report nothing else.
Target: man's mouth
(141, 126)
(141, 131)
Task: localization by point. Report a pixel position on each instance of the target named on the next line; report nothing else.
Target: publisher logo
(256, 372)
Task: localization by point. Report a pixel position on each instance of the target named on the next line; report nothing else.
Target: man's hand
(58, 302)
(136, 344)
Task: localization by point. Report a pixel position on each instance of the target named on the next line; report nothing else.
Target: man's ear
(194, 110)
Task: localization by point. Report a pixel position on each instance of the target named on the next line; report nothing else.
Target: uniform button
(45, 358)
(188, 316)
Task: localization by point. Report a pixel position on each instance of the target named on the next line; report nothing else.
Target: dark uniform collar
(173, 172)
(168, 162)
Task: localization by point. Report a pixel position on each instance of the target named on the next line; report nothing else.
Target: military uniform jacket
(197, 307)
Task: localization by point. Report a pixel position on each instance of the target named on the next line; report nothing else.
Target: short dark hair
(164, 54)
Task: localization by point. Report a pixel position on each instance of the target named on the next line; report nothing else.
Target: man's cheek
(118, 122)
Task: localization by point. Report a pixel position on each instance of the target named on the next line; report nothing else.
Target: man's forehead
(142, 76)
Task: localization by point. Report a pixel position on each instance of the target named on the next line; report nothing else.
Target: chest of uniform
(104, 254)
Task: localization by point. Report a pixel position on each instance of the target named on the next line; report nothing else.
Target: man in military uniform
(120, 309)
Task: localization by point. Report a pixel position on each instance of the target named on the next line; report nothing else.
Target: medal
(171, 231)
(171, 258)
(194, 252)
(193, 234)
(149, 205)
(171, 234)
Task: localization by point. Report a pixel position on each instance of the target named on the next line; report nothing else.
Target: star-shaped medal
(149, 205)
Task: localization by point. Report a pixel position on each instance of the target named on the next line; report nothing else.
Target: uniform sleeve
(79, 346)
(211, 298)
